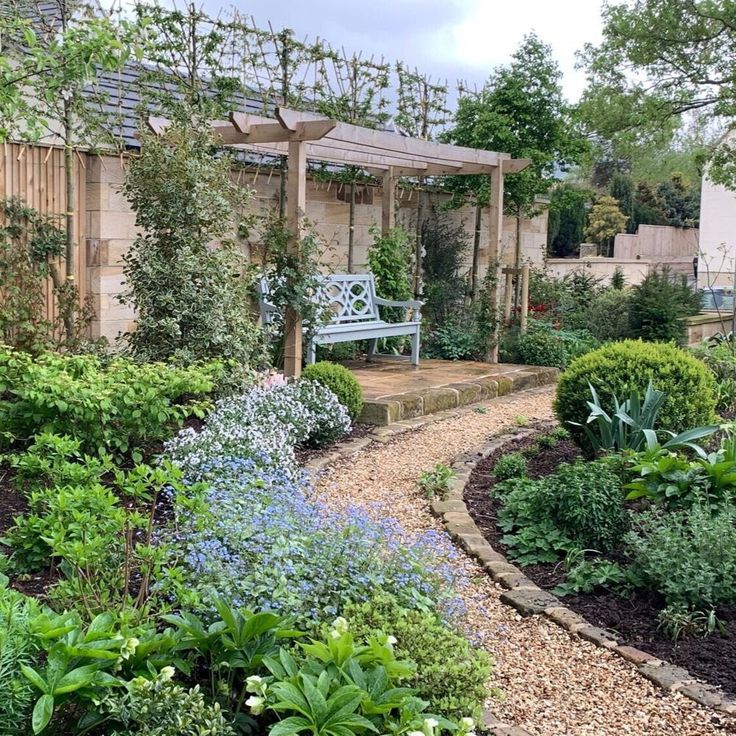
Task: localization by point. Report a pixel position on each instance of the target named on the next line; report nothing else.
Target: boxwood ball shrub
(512, 465)
(451, 674)
(619, 368)
(341, 382)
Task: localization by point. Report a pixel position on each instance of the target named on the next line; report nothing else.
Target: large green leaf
(42, 713)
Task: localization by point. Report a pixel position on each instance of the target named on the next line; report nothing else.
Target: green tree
(621, 189)
(661, 59)
(191, 299)
(567, 214)
(521, 111)
(51, 56)
(604, 222)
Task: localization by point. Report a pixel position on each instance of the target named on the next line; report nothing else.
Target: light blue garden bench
(351, 302)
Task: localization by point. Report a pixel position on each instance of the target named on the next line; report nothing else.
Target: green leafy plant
(191, 300)
(607, 316)
(586, 576)
(632, 425)
(450, 673)
(512, 465)
(688, 556)
(720, 357)
(388, 258)
(659, 306)
(115, 407)
(679, 622)
(618, 369)
(340, 381)
(438, 481)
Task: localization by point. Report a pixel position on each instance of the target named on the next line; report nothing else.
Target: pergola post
(296, 201)
(495, 230)
(388, 202)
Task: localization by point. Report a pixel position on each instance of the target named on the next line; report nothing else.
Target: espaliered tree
(660, 60)
(51, 56)
(352, 89)
(521, 111)
(422, 112)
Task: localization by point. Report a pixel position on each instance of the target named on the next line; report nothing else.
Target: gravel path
(553, 685)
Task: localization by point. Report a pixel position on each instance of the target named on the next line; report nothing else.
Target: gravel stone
(553, 684)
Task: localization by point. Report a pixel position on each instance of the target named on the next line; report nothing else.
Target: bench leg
(372, 344)
(415, 348)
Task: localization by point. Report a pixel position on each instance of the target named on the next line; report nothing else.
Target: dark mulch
(634, 619)
(305, 454)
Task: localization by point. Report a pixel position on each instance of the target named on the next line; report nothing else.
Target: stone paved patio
(397, 390)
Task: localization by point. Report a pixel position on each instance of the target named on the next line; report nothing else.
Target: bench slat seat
(353, 307)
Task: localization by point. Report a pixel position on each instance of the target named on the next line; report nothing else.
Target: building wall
(111, 230)
(717, 235)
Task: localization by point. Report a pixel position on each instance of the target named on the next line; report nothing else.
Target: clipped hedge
(619, 368)
(341, 382)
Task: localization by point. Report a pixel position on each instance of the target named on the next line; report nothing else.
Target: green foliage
(542, 344)
(605, 221)
(520, 110)
(689, 557)
(17, 649)
(115, 407)
(458, 338)
(99, 536)
(450, 673)
(720, 357)
(578, 506)
(388, 258)
(586, 576)
(619, 368)
(632, 424)
(160, 707)
(445, 244)
(607, 317)
(508, 466)
(659, 305)
(567, 217)
(621, 188)
(191, 299)
(341, 382)
(679, 622)
(438, 481)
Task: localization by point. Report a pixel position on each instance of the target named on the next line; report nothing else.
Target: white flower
(339, 627)
(391, 640)
(468, 722)
(256, 704)
(415, 733)
(166, 673)
(254, 684)
(431, 723)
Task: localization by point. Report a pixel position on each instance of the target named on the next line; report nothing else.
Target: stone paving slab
(395, 391)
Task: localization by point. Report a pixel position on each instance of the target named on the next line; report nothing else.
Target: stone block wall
(111, 230)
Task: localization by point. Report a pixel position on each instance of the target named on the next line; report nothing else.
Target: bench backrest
(346, 297)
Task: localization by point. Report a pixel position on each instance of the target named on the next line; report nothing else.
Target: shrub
(341, 382)
(389, 257)
(191, 300)
(582, 502)
(114, 407)
(458, 338)
(450, 673)
(265, 545)
(720, 357)
(659, 306)
(438, 481)
(542, 344)
(17, 648)
(620, 368)
(512, 465)
(689, 557)
(607, 316)
(160, 707)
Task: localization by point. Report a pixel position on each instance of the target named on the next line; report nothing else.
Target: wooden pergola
(302, 136)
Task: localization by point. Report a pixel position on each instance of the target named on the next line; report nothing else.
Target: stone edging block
(529, 600)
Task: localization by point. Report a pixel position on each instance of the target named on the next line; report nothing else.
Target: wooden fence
(36, 175)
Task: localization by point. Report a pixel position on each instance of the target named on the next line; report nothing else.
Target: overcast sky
(450, 39)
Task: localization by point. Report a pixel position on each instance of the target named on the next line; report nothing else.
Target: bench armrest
(414, 304)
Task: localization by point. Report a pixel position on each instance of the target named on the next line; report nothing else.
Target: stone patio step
(397, 391)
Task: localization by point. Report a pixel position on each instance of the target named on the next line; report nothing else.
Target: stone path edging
(529, 599)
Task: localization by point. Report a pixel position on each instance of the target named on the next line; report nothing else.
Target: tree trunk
(71, 261)
(351, 230)
(517, 260)
(476, 254)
